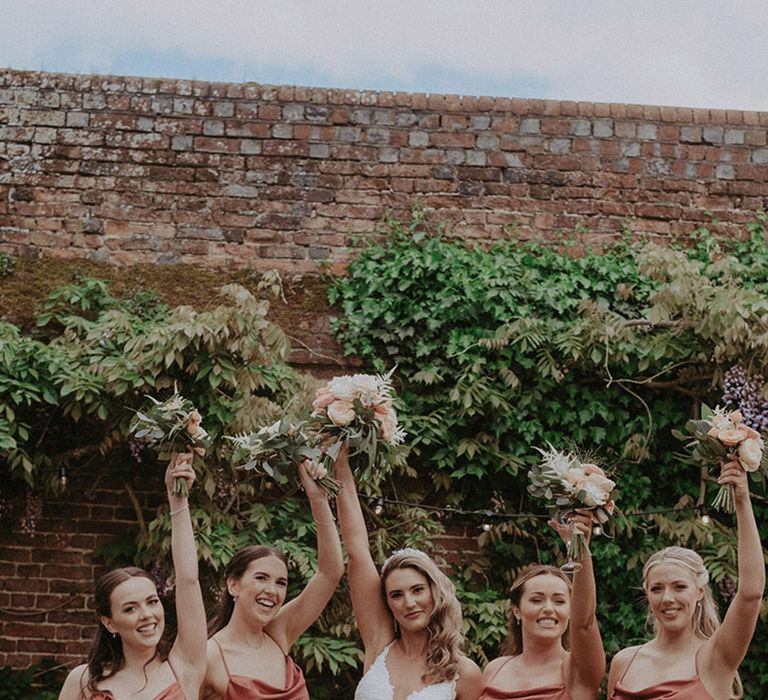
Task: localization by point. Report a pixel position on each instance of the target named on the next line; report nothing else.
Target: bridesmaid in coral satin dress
(692, 656)
(131, 656)
(549, 616)
(254, 631)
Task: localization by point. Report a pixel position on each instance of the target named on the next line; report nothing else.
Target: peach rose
(730, 436)
(323, 399)
(341, 413)
(749, 433)
(750, 454)
(713, 432)
(383, 408)
(387, 425)
(592, 469)
(192, 424)
(735, 417)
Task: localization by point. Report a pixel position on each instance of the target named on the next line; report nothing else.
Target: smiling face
(137, 614)
(545, 607)
(672, 594)
(410, 598)
(261, 590)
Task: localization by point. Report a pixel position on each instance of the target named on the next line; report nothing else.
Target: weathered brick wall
(128, 170)
(131, 170)
(47, 567)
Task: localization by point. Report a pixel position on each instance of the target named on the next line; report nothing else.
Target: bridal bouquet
(277, 451)
(357, 410)
(169, 426)
(721, 437)
(567, 483)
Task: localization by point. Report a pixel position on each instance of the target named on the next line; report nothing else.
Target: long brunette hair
(106, 657)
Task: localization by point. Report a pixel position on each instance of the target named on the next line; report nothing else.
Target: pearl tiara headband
(406, 552)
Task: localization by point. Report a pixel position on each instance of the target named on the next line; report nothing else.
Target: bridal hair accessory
(406, 552)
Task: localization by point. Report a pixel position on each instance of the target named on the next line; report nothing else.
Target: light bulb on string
(597, 530)
(487, 524)
(704, 516)
(378, 506)
(63, 474)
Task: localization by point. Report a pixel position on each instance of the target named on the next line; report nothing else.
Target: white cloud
(687, 52)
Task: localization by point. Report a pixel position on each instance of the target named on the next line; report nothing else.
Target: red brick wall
(47, 572)
(128, 170)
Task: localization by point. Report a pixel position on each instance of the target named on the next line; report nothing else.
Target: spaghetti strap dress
(245, 688)
(681, 689)
(545, 692)
(172, 692)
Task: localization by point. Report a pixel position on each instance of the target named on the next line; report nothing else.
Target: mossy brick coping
(23, 292)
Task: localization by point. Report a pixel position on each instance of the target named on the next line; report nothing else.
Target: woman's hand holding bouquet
(721, 438)
(572, 486)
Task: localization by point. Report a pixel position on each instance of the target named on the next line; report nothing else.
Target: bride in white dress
(409, 617)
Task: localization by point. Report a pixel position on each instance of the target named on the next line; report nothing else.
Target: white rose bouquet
(357, 410)
(567, 483)
(169, 426)
(277, 451)
(720, 437)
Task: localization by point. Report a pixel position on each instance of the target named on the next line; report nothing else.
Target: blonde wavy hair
(444, 638)
(706, 619)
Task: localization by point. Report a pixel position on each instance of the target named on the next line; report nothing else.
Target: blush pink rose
(323, 399)
(192, 425)
(750, 454)
(592, 469)
(749, 433)
(341, 413)
(387, 425)
(735, 417)
(730, 436)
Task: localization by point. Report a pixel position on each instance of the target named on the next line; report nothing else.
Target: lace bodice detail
(376, 684)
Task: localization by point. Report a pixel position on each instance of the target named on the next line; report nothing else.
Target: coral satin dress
(681, 689)
(545, 692)
(245, 688)
(172, 692)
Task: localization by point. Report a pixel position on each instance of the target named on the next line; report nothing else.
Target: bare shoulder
(470, 680)
(76, 681)
(622, 658)
(494, 666)
(619, 664)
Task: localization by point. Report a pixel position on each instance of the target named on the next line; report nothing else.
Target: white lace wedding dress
(376, 685)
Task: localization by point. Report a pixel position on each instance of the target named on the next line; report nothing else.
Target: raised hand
(180, 467)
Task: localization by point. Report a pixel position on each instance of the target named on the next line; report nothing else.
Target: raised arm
(188, 655)
(731, 641)
(302, 611)
(371, 614)
(586, 665)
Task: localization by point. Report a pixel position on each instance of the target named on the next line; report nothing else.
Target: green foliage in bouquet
(172, 426)
(276, 451)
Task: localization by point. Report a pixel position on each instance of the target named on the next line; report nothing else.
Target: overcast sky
(697, 53)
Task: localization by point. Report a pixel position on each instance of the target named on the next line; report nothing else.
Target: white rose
(358, 386)
(341, 413)
(598, 488)
(750, 454)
